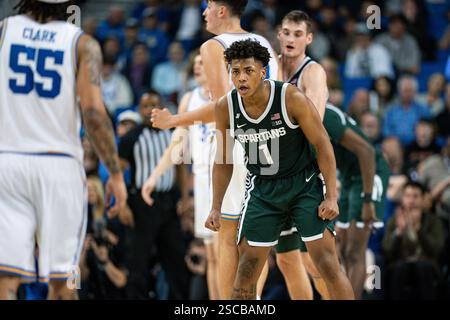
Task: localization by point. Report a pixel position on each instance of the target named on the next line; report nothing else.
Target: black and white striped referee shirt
(142, 147)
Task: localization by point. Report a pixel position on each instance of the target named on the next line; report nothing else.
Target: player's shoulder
(294, 98)
(87, 44)
(213, 44)
(314, 69)
(334, 114)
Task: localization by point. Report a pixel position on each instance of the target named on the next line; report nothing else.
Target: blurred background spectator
(139, 70)
(366, 58)
(112, 25)
(402, 46)
(413, 243)
(433, 98)
(115, 87)
(168, 76)
(401, 118)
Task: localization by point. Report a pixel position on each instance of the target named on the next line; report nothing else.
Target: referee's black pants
(158, 226)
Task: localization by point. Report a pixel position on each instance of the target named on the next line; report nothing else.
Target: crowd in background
(393, 81)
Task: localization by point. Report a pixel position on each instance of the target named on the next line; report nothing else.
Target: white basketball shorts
(202, 201)
(234, 196)
(43, 204)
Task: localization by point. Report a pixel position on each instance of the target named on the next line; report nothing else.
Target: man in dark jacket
(412, 244)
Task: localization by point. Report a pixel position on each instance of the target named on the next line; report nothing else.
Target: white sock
(258, 298)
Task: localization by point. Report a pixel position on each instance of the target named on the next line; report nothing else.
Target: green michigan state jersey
(274, 147)
(336, 122)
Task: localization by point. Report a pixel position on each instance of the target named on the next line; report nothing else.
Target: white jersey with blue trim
(227, 39)
(39, 112)
(200, 135)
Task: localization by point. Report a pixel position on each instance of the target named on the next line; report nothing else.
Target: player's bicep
(306, 115)
(215, 68)
(89, 72)
(315, 84)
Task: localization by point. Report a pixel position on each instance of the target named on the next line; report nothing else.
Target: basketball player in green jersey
(276, 125)
(364, 174)
(309, 77)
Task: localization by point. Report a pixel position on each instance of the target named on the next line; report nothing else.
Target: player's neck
(37, 19)
(290, 65)
(232, 25)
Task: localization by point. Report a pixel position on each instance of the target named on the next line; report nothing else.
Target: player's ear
(309, 38)
(263, 73)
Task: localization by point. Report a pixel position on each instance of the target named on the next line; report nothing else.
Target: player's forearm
(327, 166)
(100, 132)
(366, 158)
(221, 179)
(205, 114)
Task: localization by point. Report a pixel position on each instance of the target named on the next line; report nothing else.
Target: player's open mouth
(243, 89)
(290, 47)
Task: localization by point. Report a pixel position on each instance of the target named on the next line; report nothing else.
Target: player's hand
(147, 189)
(116, 187)
(213, 221)
(368, 214)
(162, 119)
(328, 209)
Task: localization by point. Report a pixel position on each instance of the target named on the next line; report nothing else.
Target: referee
(156, 226)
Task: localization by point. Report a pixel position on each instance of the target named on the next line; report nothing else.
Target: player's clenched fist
(213, 221)
(328, 209)
(162, 119)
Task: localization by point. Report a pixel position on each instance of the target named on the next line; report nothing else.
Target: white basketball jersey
(38, 103)
(227, 39)
(200, 136)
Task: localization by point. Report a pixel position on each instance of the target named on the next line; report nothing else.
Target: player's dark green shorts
(351, 202)
(290, 240)
(271, 203)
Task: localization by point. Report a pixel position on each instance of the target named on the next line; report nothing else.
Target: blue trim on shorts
(20, 271)
(229, 216)
(12, 273)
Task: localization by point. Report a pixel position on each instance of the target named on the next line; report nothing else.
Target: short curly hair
(245, 49)
(42, 11)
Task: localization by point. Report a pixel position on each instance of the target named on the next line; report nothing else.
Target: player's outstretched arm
(366, 158)
(223, 165)
(96, 120)
(301, 109)
(314, 80)
(163, 119)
